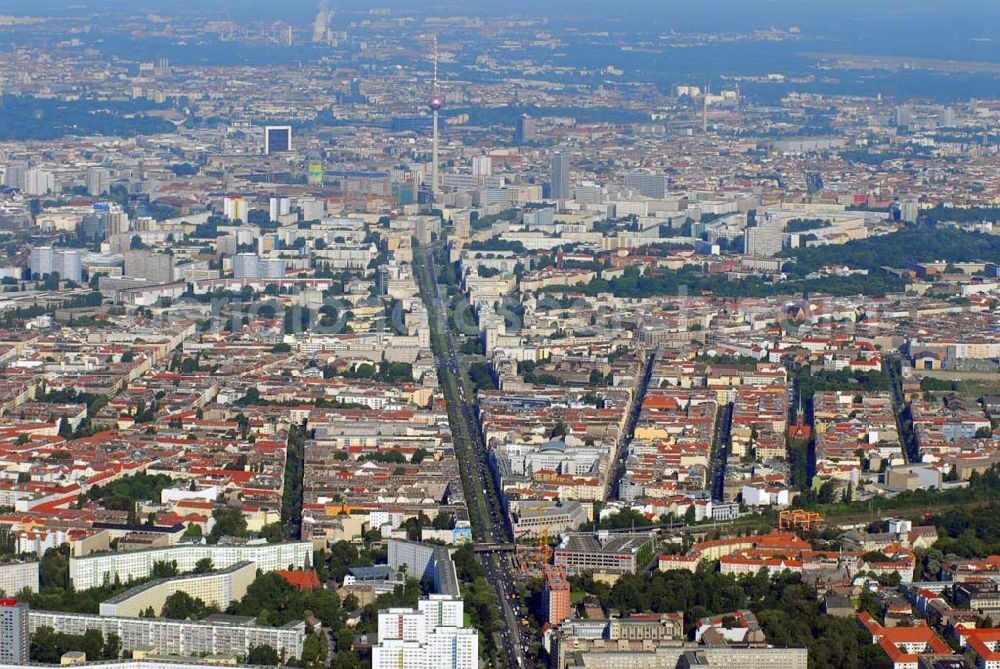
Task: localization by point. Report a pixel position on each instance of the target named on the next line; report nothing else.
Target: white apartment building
(402, 625)
(15, 640)
(764, 239)
(278, 206)
(98, 181)
(178, 637)
(482, 166)
(48, 260)
(251, 266)
(219, 588)
(234, 208)
(442, 610)
(94, 570)
(135, 664)
(39, 182)
(444, 648)
(18, 576)
(432, 637)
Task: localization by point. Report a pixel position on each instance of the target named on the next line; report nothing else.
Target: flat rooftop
(614, 543)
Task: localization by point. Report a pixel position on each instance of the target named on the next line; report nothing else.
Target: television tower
(435, 105)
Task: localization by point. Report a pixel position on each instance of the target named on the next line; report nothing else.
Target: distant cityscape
(500, 337)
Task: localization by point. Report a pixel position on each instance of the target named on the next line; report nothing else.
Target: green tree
(65, 429)
(112, 647)
(53, 569)
(273, 532)
(315, 649)
(93, 644)
(826, 492)
(162, 569)
(182, 606)
(263, 655)
(204, 566)
(229, 522)
(44, 646)
(689, 515)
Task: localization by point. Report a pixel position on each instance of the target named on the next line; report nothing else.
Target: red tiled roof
(303, 580)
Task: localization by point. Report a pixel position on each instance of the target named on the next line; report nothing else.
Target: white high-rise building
(245, 266)
(647, 184)
(154, 267)
(452, 648)
(15, 641)
(272, 268)
(909, 210)
(763, 239)
(588, 192)
(47, 260)
(432, 637)
(251, 266)
(395, 654)
(442, 648)
(42, 260)
(234, 208)
(98, 181)
(39, 182)
(442, 610)
(116, 223)
(69, 264)
(482, 166)
(560, 167)
(402, 625)
(16, 176)
(279, 206)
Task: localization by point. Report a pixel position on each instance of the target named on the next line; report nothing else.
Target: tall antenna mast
(435, 105)
(435, 64)
(704, 110)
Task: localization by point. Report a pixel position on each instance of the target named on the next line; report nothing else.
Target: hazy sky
(964, 28)
(706, 14)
